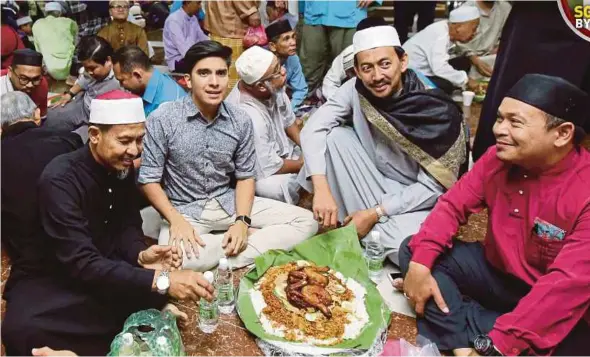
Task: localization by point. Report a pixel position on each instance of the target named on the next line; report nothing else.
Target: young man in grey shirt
(192, 147)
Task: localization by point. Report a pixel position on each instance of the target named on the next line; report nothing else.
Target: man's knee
(16, 333)
(405, 255)
(339, 135)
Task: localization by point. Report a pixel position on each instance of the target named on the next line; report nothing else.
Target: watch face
(482, 344)
(162, 283)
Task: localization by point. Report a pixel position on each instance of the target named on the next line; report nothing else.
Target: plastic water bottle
(129, 347)
(225, 287)
(208, 311)
(374, 255)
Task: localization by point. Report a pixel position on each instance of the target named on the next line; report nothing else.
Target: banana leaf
(340, 250)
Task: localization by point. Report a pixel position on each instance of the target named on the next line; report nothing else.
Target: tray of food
(316, 299)
(481, 90)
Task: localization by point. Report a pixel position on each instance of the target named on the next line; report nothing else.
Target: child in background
(25, 27)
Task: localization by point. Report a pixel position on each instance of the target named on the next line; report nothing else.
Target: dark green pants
(319, 46)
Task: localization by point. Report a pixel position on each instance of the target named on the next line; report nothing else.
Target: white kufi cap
(374, 37)
(53, 6)
(464, 14)
(348, 57)
(24, 20)
(116, 107)
(253, 64)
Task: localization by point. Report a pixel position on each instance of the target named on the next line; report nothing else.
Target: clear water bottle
(208, 311)
(129, 347)
(374, 255)
(225, 287)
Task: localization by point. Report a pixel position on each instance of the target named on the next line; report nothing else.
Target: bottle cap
(209, 276)
(223, 264)
(376, 235)
(127, 339)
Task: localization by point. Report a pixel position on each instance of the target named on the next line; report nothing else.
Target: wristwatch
(381, 216)
(484, 346)
(244, 219)
(163, 282)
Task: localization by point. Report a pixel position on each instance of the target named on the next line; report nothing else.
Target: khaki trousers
(278, 226)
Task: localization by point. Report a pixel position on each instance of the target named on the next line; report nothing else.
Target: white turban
(374, 37)
(24, 20)
(253, 64)
(53, 6)
(464, 14)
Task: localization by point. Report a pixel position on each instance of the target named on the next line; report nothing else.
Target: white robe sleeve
(333, 79)
(438, 59)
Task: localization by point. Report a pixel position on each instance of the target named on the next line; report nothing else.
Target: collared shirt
(93, 88)
(488, 32)
(26, 150)
(270, 122)
(417, 189)
(428, 52)
(538, 231)
(125, 34)
(180, 33)
(194, 158)
(55, 38)
(160, 89)
(38, 95)
(92, 221)
(229, 18)
(296, 81)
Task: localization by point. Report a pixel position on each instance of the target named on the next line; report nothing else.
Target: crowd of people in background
(257, 104)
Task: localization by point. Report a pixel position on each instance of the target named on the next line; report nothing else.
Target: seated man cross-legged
(193, 145)
(261, 94)
(526, 289)
(93, 266)
(375, 155)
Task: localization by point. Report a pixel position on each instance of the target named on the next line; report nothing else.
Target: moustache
(380, 83)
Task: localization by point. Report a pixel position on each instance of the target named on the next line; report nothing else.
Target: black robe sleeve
(132, 241)
(64, 222)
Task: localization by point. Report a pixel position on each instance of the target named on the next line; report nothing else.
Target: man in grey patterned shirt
(192, 147)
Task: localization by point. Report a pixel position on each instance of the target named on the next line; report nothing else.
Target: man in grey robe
(383, 149)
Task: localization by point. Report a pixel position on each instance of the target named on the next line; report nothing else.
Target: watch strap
(244, 219)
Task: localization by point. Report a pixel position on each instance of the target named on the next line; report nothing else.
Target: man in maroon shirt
(526, 289)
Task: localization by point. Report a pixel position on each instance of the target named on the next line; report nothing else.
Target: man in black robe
(95, 269)
(535, 39)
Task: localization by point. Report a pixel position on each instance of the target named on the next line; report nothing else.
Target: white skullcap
(24, 20)
(253, 64)
(53, 6)
(374, 37)
(464, 14)
(348, 58)
(116, 107)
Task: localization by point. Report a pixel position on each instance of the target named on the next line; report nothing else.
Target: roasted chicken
(306, 288)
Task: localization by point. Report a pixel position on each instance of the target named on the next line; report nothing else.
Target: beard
(278, 98)
(122, 174)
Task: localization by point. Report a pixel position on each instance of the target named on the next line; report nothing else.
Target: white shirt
(334, 77)
(270, 122)
(5, 85)
(428, 52)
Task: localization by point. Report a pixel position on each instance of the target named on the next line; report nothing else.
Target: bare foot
(463, 351)
(398, 284)
(181, 317)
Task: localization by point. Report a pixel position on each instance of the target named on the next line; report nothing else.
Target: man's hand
(420, 286)
(46, 351)
(364, 3)
(65, 99)
(482, 67)
(325, 210)
(235, 239)
(161, 257)
(364, 221)
(183, 232)
(189, 285)
(472, 84)
(254, 20)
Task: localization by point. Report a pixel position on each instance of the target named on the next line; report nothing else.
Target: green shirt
(55, 39)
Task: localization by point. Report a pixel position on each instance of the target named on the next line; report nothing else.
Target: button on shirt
(194, 158)
(538, 231)
(160, 89)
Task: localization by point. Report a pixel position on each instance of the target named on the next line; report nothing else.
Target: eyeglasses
(24, 80)
(278, 72)
(119, 7)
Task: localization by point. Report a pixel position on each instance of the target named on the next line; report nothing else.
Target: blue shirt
(295, 81)
(160, 89)
(340, 13)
